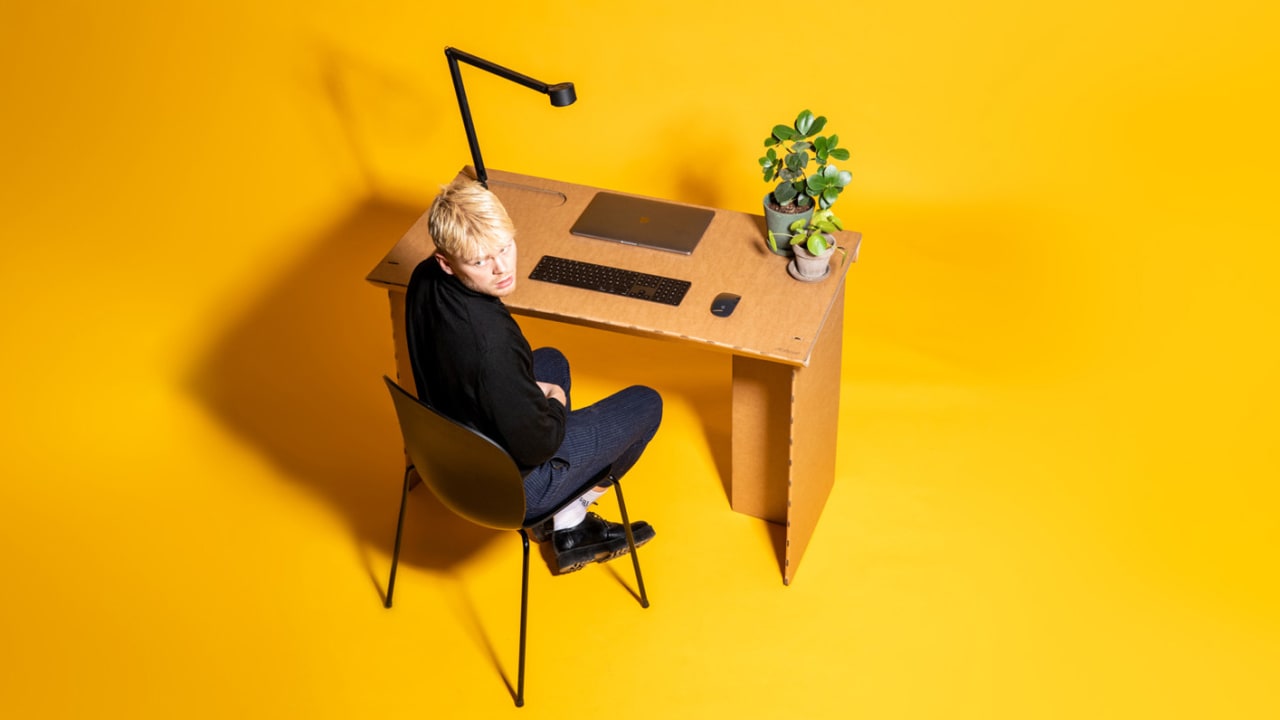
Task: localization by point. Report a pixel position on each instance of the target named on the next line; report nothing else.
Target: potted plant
(812, 242)
(806, 173)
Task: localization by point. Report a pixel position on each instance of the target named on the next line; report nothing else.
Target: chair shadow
(487, 642)
(628, 585)
(297, 376)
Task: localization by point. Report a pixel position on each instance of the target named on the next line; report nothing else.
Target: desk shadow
(298, 377)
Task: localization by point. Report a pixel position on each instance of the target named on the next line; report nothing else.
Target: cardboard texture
(761, 438)
(785, 335)
(404, 370)
(815, 413)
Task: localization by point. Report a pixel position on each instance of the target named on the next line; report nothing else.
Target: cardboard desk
(785, 335)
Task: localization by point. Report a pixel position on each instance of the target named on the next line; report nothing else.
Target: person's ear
(444, 263)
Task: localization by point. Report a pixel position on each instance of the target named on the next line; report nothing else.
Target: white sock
(575, 512)
(589, 497)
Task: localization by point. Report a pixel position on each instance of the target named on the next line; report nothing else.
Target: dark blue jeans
(613, 432)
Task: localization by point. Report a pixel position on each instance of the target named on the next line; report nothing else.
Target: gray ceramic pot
(777, 223)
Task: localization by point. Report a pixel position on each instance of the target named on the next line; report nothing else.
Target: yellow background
(1057, 472)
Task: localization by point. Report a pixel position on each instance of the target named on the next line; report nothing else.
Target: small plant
(812, 233)
(799, 147)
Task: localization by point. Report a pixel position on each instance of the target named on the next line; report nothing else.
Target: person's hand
(554, 392)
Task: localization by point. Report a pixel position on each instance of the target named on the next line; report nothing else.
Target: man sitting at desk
(471, 362)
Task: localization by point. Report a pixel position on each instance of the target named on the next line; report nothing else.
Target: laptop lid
(640, 221)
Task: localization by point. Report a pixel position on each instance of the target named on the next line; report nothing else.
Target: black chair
(475, 478)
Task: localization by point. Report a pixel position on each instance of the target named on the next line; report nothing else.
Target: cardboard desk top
(778, 318)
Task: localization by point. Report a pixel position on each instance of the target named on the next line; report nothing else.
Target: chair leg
(524, 616)
(395, 554)
(631, 542)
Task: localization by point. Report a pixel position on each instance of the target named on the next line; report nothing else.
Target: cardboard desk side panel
(814, 439)
(761, 438)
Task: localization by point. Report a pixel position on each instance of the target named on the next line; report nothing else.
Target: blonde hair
(466, 221)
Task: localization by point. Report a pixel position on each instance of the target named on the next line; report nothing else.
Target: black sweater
(471, 362)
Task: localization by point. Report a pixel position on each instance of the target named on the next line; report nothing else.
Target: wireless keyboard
(616, 281)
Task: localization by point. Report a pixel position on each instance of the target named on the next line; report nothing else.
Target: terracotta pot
(810, 267)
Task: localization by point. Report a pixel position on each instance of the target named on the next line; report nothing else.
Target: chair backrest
(471, 474)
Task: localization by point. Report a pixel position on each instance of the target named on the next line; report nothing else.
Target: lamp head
(562, 94)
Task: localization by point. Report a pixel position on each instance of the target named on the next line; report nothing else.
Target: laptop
(646, 223)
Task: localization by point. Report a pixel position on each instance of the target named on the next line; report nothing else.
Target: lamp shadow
(297, 376)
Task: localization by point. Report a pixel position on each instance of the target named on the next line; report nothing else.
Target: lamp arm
(467, 123)
(561, 94)
(512, 75)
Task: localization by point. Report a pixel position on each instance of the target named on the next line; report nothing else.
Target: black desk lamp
(561, 94)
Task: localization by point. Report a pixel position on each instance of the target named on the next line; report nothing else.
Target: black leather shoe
(542, 531)
(595, 540)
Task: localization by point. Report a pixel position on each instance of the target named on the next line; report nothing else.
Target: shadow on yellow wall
(298, 377)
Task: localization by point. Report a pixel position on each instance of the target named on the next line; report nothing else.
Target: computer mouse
(724, 304)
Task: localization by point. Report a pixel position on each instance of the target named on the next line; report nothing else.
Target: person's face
(492, 274)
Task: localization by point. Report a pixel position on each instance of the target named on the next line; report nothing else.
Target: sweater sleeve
(531, 426)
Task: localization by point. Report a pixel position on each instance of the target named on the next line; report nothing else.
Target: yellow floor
(979, 557)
